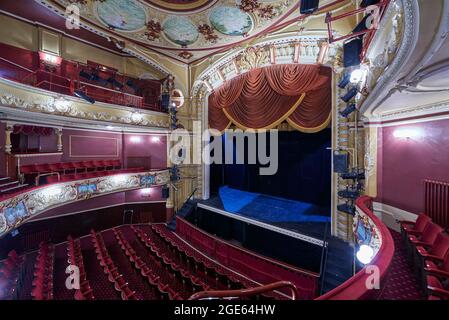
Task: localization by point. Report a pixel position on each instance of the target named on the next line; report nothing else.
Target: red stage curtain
(265, 97)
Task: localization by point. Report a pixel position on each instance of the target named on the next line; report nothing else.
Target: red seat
(79, 166)
(436, 253)
(68, 177)
(99, 165)
(437, 276)
(43, 168)
(428, 236)
(52, 179)
(117, 164)
(109, 164)
(56, 167)
(28, 169)
(89, 165)
(415, 228)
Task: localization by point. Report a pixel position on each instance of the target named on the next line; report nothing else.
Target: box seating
(43, 273)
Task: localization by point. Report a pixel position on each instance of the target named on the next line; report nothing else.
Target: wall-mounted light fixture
(155, 139)
(407, 133)
(135, 139)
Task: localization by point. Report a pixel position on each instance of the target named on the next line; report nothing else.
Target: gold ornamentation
(254, 57)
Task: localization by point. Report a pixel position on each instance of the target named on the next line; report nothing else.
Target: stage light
(365, 254)
(84, 96)
(406, 133)
(354, 175)
(350, 94)
(350, 108)
(346, 208)
(344, 80)
(309, 6)
(358, 75)
(349, 194)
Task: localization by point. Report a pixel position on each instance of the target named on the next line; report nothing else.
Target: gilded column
(59, 135)
(8, 144)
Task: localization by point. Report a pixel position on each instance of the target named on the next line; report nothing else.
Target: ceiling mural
(186, 30)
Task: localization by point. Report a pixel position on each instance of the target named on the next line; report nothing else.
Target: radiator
(437, 201)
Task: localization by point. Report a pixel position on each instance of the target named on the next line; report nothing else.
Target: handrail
(355, 288)
(235, 294)
(324, 252)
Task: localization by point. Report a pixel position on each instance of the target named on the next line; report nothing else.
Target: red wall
(404, 163)
(151, 150)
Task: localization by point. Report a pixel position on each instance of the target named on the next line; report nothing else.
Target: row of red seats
(88, 175)
(428, 248)
(194, 282)
(65, 167)
(166, 292)
(43, 273)
(111, 270)
(75, 258)
(9, 275)
(204, 265)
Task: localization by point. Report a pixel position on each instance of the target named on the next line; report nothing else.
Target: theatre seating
(414, 228)
(43, 273)
(30, 172)
(437, 279)
(75, 257)
(426, 239)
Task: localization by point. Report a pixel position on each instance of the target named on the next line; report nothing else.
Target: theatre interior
(335, 114)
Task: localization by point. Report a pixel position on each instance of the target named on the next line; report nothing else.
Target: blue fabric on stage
(267, 208)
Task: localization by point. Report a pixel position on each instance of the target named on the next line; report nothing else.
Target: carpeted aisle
(402, 283)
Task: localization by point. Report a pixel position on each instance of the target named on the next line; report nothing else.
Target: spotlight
(365, 254)
(354, 175)
(84, 96)
(346, 208)
(344, 80)
(358, 75)
(309, 6)
(350, 108)
(351, 52)
(349, 194)
(350, 94)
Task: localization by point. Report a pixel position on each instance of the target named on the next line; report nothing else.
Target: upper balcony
(91, 82)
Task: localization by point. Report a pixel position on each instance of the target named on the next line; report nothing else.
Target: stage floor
(301, 217)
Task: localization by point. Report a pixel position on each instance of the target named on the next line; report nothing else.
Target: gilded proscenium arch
(19, 209)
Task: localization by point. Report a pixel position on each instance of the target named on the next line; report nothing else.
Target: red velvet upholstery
(428, 236)
(437, 278)
(415, 228)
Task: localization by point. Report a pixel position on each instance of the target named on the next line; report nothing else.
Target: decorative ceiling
(186, 30)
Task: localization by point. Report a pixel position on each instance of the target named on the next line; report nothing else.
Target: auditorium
(224, 150)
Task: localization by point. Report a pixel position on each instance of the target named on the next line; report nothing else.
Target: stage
(303, 218)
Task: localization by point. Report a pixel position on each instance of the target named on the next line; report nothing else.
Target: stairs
(186, 209)
(7, 186)
(339, 264)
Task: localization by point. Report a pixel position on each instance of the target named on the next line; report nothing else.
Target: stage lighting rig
(351, 93)
(350, 108)
(356, 174)
(349, 194)
(347, 208)
(344, 80)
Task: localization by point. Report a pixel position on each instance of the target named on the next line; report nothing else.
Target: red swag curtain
(265, 97)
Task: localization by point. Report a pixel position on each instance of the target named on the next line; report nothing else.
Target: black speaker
(309, 6)
(165, 101)
(341, 162)
(351, 52)
(165, 192)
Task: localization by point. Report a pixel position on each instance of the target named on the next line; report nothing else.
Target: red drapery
(265, 97)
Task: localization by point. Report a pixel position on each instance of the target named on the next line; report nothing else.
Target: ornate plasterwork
(17, 210)
(362, 222)
(293, 49)
(22, 97)
(388, 81)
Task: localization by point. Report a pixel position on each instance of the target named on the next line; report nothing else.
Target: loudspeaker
(309, 6)
(165, 192)
(165, 101)
(351, 52)
(341, 162)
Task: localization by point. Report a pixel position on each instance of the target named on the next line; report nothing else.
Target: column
(8, 131)
(58, 132)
